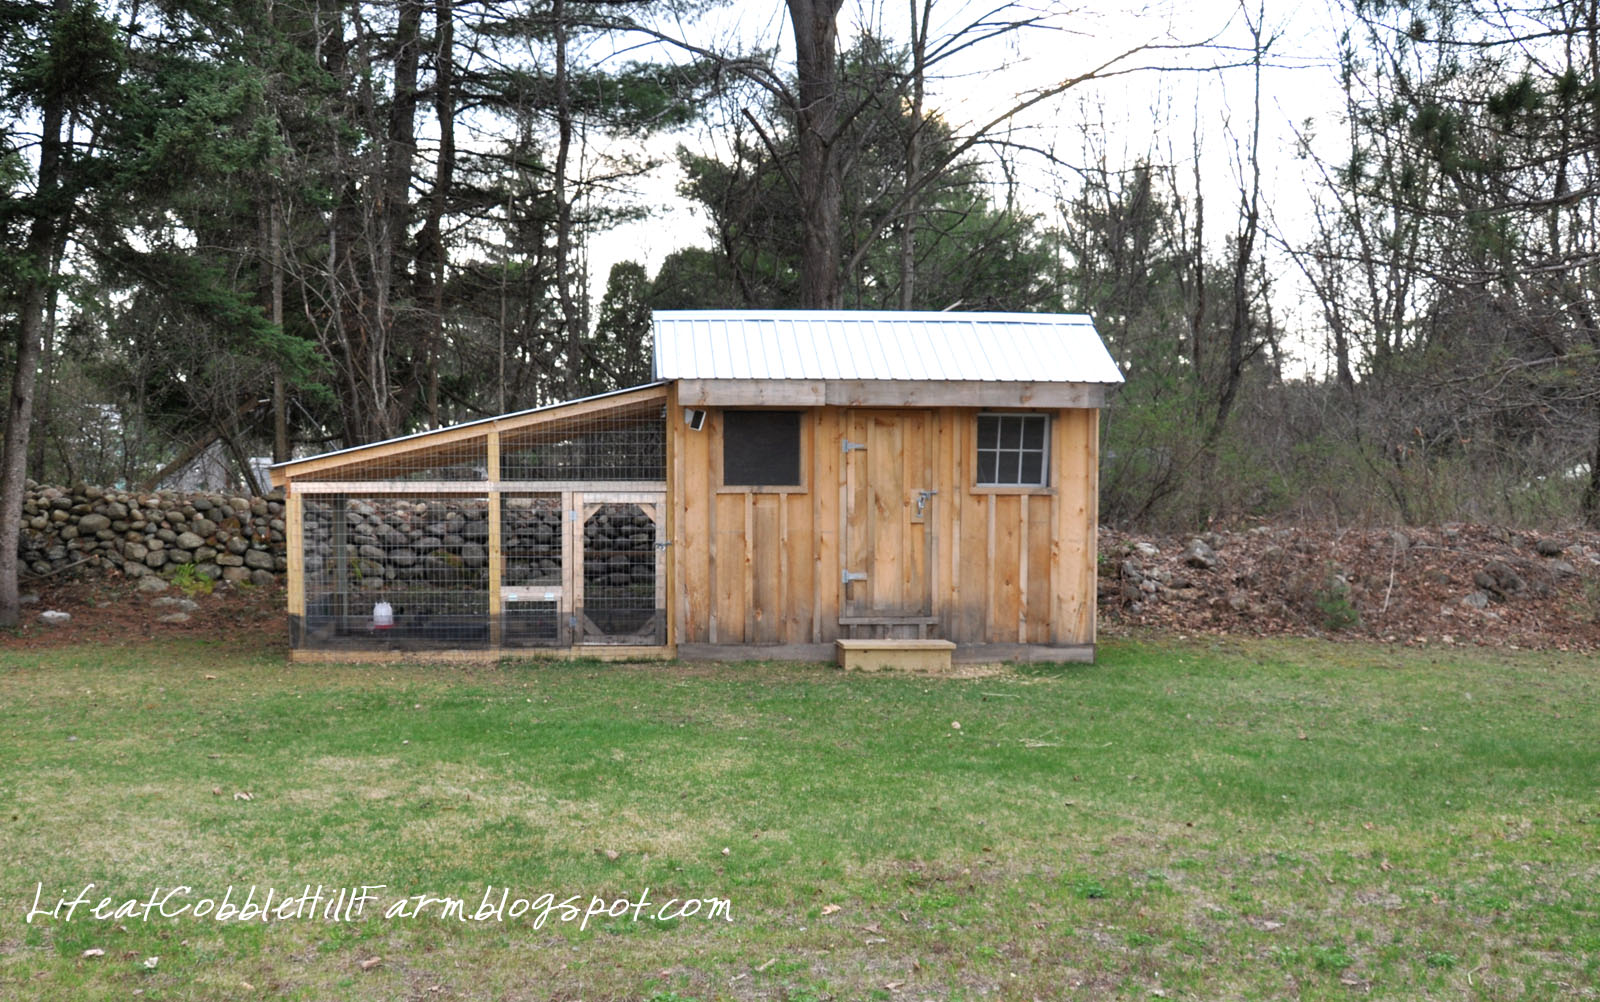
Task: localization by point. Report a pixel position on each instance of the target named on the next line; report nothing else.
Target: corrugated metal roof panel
(832, 344)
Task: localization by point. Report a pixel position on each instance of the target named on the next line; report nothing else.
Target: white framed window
(1013, 450)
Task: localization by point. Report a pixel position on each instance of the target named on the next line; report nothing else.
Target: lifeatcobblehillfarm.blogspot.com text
(357, 902)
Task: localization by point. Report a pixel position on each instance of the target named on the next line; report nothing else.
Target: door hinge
(846, 445)
(845, 577)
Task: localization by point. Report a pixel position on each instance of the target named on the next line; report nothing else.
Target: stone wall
(96, 530)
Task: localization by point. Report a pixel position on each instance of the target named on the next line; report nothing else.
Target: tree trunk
(395, 210)
(816, 120)
(430, 241)
(1241, 321)
(913, 171)
(50, 219)
(47, 359)
(570, 326)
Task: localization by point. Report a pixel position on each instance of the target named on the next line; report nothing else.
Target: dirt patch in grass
(110, 611)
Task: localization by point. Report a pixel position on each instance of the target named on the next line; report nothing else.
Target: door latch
(923, 497)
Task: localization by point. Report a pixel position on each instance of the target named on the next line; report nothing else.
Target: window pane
(1033, 433)
(988, 431)
(1008, 468)
(1010, 432)
(760, 448)
(1033, 468)
(986, 466)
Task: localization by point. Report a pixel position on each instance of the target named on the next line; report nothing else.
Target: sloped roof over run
(856, 346)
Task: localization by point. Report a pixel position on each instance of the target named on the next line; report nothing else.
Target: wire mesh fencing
(532, 540)
(619, 445)
(406, 572)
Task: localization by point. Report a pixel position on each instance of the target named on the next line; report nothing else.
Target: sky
(1166, 112)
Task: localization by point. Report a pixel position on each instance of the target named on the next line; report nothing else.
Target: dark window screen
(761, 448)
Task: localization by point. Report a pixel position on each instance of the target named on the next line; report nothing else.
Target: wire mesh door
(533, 576)
(623, 586)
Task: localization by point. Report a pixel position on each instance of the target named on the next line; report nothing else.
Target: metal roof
(857, 345)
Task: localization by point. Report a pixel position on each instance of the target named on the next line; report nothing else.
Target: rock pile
(152, 533)
(1452, 582)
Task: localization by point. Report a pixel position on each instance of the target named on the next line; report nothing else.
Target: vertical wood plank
(571, 567)
(799, 596)
(852, 515)
(496, 557)
(1007, 552)
(1075, 526)
(670, 571)
(747, 574)
(694, 540)
(1089, 579)
(294, 544)
(784, 610)
(765, 584)
(713, 432)
(919, 456)
(954, 500)
(730, 607)
(1040, 543)
(1023, 540)
(989, 635)
(827, 490)
(1059, 628)
(973, 585)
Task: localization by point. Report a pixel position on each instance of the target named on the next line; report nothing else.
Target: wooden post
(496, 559)
(294, 544)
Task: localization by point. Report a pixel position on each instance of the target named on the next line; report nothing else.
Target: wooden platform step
(894, 655)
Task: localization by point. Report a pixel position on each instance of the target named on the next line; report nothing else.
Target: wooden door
(888, 523)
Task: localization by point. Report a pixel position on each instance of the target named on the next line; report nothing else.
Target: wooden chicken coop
(790, 480)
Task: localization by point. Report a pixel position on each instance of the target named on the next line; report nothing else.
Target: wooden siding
(1003, 566)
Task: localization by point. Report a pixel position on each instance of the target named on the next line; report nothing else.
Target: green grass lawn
(1249, 820)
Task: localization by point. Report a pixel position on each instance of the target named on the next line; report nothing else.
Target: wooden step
(894, 655)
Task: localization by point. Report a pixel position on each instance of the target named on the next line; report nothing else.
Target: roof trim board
(885, 393)
(357, 455)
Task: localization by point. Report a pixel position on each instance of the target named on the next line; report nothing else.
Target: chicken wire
(626, 444)
(533, 565)
(402, 572)
(461, 460)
